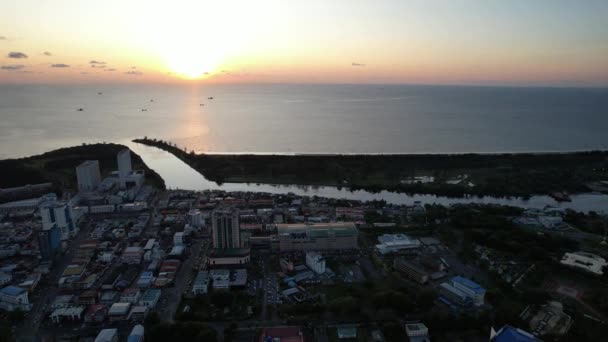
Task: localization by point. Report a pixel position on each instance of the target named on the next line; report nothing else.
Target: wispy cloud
(97, 64)
(59, 65)
(17, 55)
(3, 38)
(134, 73)
(46, 53)
(355, 64)
(12, 67)
(111, 69)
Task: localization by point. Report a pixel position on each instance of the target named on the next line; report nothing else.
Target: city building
(70, 313)
(201, 283)
(512, 334)
(107, 335)
(417, 332)
(393, 243)
(220, 279)
(130, 295)
(137, 334)
(320, 237)
(453, 296)
(150, 298)
(411, 270)
(178, 238)
(346, 332)
(549, 319)
(132, 255)
(195, 218)
(58, 214)
(230, 256)
(119, 311)
(96, 313)
(285, 333)
(49, 242)
(316, 262)
(471, 288)
(124, 166)
(13, 297)
(88, 176)
(585, 261)
(225, 228)
(138, 313)
(5, 278)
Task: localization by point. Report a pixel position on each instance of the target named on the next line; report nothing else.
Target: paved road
(48, 292)
(173, 295)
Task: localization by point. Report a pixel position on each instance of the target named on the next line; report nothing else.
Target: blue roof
(12, 290)
(512, 334)
(469, 283)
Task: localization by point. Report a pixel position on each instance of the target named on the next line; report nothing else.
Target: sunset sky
(512, 42)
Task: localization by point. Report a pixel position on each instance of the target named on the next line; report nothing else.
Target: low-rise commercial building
(417, 332)
(320, 237)
(150, 298)
(471, 288)
(107, 335)
(411, 270)
(585, 261)
(316, 262)
(393, 243)
(229, 256)
(201, 283)
(13, 297)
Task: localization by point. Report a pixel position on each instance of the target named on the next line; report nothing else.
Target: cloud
(134, 73)
(112, 69)
(355, 64)
(59, 65)
(133, 67)
(97, 64)
(46, 53)
(2, 37)
(12, 67)
(17, 55)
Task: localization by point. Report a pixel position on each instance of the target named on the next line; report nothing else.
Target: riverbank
(58, 166)
(459, 175)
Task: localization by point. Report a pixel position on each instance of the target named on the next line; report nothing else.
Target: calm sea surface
(306, 118)
(309, 119)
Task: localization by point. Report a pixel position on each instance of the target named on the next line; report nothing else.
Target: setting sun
(192, 62)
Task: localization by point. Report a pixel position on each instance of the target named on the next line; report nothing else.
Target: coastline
(58, 166)
(497, 174)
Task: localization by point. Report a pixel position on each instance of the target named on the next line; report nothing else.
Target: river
(179, 175)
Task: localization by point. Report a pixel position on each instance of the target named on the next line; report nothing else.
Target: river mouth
(179, 175)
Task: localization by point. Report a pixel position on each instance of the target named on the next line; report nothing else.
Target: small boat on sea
(202, 104)
(79, 109)
(99, 93)
(144, 110)
(210, 98)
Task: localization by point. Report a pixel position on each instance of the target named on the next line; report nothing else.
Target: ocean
(305, 118)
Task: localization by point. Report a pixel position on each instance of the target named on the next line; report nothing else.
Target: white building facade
(88, 176)
(315, 262)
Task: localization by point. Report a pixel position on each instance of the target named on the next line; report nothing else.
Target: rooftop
(229, 252)
(12, 290)
(469, 284)
(512, 334)
(586, 261)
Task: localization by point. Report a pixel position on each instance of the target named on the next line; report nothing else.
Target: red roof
(285, 334)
